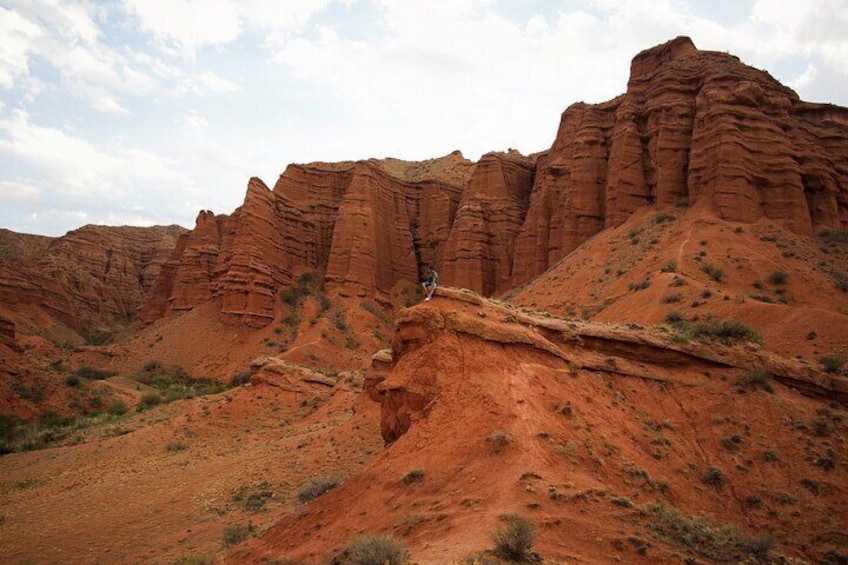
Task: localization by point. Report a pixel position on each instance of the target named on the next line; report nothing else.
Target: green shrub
(149, 400)
(714, 272)
(414, 476)
(719, 543)
(116, 408)
(515, 542)
(72, 380)
(756, 378)
(726, 331)
(373, 549)
(673, 298)
(832, 363)
(238, 533)
(316, 487)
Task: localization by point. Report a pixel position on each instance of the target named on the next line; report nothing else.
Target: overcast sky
(142, 112)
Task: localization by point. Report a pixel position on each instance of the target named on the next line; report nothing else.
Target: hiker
(429, 284)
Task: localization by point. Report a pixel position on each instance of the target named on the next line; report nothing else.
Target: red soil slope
(600, 421)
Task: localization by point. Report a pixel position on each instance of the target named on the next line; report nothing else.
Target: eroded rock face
(364, 226)
(480, 250)
(695, 128)
(92, 276)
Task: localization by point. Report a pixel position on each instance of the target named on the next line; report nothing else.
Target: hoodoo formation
(638, 344)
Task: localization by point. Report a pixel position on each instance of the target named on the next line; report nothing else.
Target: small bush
(639, 286)
(714, 272)
(373, 549)
(149, 400)
(622, 501)
(72, 380)
(778, 277)
(832, 363)
(93, 374)
(756, 378)
(253, 498)
(116, 408)
(240, 379)
(714, 477)
(236, 534)
(515, 541)
(316, 487)
(669, 267)
(499, 438)
(152, 367)
(726, 331)
(673, 298)
(674, 317)
(414, 476)
(175, 446)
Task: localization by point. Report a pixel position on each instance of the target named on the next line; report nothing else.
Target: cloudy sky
(142, 112)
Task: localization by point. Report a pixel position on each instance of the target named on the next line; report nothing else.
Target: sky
(144, 112)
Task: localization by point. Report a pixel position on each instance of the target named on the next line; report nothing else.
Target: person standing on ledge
(430, 283)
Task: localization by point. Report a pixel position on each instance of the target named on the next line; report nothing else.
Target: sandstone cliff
(695, 128)
(90, 277)
(364, 226)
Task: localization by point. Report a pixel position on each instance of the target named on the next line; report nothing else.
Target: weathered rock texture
(364, 226)
(480, 250)
(695, 128)
(92, 276)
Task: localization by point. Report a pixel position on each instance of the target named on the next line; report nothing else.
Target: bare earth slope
(580, 427)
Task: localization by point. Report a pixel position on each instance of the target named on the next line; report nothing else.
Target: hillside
(639, 345)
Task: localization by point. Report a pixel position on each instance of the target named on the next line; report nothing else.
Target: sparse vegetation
(726, 331)
(252, 498)
(778, 277)
(756, 378)
(236, 534)
(498, 438)
(832, 363)
(714, 477)
(317, 486)
(515, 541)
(669, 267)
(640, 285)
(173, 383)
(673, 298)
(92, 374)
(413, 476)
(674, 317)
(373, 549)
(721, 543)
(240, 378)
(149, 400)
(714, 272)
(622, 501)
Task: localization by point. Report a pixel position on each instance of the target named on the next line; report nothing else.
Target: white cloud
(193, 123)
(74, 166)
(19, 191)
(17, 33)
(204, 84)
(184, 26)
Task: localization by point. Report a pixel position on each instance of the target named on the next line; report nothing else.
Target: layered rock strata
(695, 128)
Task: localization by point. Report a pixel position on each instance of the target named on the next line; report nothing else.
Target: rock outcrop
(480, 250)
(694, 128)
(93, 276)
(364, 227)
